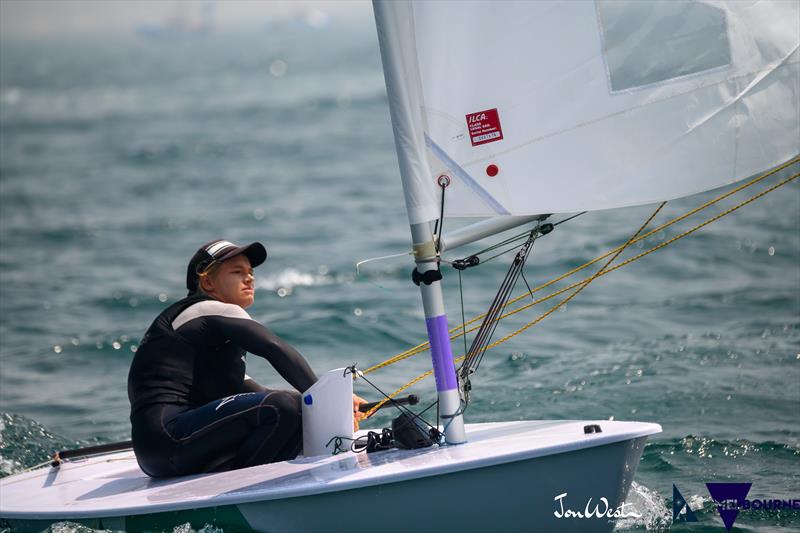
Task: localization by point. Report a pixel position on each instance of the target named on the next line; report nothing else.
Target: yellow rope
(601, 272)
(646, 252)
(458, 331)
(648, 234)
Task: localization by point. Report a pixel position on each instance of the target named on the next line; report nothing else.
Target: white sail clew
(588, 105)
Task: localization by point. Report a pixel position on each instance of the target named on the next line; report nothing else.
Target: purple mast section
(441, 353)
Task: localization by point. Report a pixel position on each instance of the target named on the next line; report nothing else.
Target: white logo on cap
(217, 246)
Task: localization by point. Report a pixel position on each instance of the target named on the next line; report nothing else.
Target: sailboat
(509, 112)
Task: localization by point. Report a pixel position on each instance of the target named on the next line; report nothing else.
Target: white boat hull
(506, 478)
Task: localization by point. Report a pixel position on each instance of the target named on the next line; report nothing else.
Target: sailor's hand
(357, 415)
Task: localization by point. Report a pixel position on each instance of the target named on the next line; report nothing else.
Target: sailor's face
(234, 283)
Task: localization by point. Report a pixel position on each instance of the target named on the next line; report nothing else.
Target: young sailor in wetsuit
(193, 408)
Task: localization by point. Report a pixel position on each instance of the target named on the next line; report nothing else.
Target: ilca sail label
(484, 127)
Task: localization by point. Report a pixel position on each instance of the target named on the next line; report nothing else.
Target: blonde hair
(211, 272)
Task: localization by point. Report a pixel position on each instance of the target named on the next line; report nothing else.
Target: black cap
(217, 251)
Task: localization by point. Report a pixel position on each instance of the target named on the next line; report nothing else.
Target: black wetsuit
(193, 409)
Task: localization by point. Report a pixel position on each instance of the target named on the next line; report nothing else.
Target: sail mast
(394, 21)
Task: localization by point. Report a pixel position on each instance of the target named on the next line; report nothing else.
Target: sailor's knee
(287, 405)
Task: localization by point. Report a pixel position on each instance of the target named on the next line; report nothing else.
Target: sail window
(660, 40)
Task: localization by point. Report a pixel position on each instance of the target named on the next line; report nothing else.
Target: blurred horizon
(168, 19)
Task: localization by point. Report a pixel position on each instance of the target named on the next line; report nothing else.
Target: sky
(40, 18)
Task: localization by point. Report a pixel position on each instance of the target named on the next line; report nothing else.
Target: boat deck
(114, 484)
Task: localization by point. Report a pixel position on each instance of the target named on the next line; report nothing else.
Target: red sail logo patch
(484, 127)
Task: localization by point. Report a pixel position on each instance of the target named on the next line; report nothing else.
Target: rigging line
(436, 403)
(403, 409)
(390, 397)
(34, 467)
(586, 282)
(425, 345)
(358, 265)
(510, 240)
(462, 406)
(478, 348)
(439, 226)
(500, 244)
(443, 181)
(495, 256)
(522, 273)
(489, 325)
(516, 238)
(463, 318)
(519, 237)
(524, 235)
(477, 358)
(624, 263)
(570, 218)
(392, 256)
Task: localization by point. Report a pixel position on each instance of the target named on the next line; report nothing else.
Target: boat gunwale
(234, 497)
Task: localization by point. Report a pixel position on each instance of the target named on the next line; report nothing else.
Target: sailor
(193, 408)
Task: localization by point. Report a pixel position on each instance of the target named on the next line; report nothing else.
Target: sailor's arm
(258, 340)
(215, 321)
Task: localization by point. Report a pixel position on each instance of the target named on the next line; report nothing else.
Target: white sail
(589, 105)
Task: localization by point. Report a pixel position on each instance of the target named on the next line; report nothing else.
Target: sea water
(120, 157)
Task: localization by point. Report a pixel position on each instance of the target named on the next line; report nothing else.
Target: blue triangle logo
(678, 504)
(730, 497)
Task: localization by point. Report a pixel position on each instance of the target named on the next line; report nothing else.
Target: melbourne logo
(730, 498)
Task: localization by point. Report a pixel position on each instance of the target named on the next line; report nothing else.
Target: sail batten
(543, 107)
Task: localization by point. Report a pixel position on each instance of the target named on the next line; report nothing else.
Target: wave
(25, 443)
(707, 447)
(284, 282)
(650, 505)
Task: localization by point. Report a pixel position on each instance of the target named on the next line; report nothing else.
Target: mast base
(453, 420)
